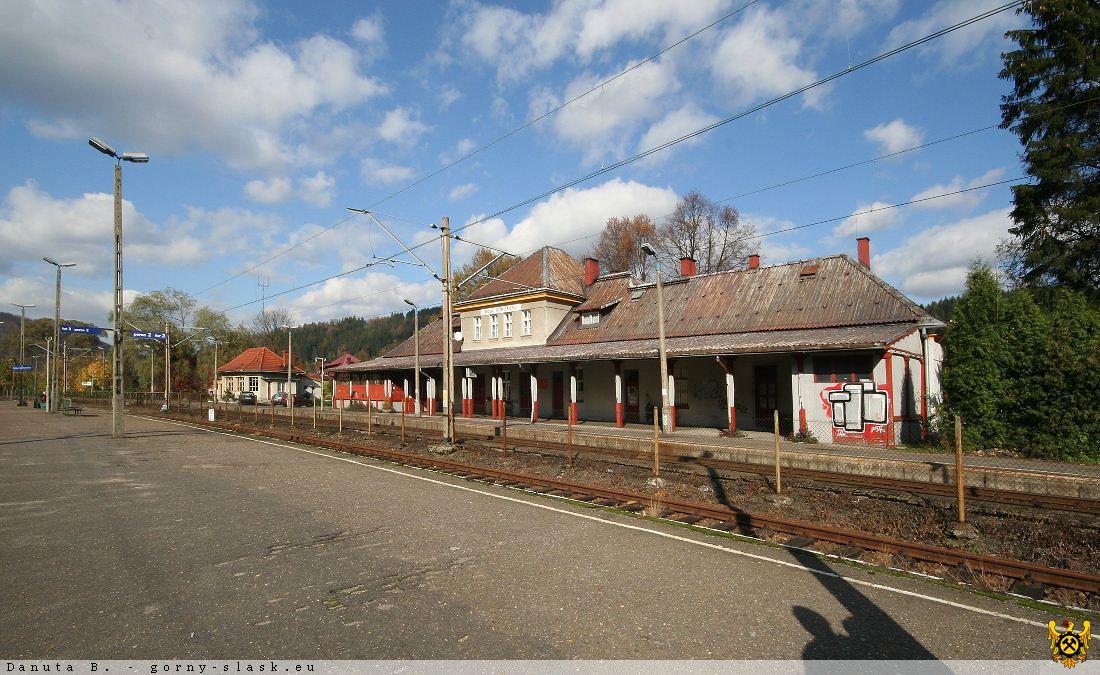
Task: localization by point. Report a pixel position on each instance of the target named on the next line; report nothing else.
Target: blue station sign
(84, 330)
(19, 368)
(147, 335)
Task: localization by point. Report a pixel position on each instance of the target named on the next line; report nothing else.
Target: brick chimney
(591, 271)
(285, 355)
(863, 249)
(754, 262)
(688, 267)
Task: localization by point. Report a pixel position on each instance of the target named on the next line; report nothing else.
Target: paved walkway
(185, 543)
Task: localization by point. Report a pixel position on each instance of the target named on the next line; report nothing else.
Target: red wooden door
(766, 399)
(559, 394)
(631, 396)
(479, 395)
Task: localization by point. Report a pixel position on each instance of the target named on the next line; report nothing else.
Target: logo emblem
(1067, 646)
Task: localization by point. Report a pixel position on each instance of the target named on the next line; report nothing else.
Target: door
(524, 393)
(559, 394)
(631, 396)
(766, 399)
(479, 395)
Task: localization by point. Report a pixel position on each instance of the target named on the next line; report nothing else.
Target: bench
(67, 407)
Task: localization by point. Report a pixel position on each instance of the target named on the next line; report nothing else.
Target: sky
(265, 121)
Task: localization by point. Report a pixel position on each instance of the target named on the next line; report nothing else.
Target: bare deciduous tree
(711, 234)
(619, 246)
(481, 258)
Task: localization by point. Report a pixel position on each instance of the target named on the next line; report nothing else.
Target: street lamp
(666, 412)
(117, 430)
(322, 360)
(22, 322)
(289, 360)
(56, 328)
(416, 346)
(210, 339)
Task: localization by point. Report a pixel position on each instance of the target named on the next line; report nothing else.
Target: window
(229, 384)
(508, 325)
(254, 383)
(281, 386)
(525, 329)
(240, 383)
(842, 368)
(477, 327)
(493, 327)
(590, 318)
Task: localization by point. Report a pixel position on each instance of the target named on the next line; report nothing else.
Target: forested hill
(942, 309)
(365, 338)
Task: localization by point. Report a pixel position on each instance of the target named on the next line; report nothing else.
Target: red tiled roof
(548, 268)
(256, 360)
(341, 360)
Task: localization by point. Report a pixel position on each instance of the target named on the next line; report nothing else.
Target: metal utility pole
(55, 379)
(416, 357)
(289, 361)
(448, 337)
(117, 402)
(49, 353)
(22, 353)
(214, 385)
(35, 358)
(666, 411)
(167, 365)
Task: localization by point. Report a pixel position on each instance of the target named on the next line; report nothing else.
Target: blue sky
(265, 120)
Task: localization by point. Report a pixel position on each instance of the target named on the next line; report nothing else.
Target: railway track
(714, 516)
(669, 454)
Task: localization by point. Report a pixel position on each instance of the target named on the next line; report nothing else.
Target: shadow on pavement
(143, 434)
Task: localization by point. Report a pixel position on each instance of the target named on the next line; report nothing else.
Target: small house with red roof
(260, 370)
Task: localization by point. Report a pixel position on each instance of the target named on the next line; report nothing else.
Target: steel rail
(728, 518)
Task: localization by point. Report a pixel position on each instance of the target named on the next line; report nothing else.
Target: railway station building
(824, 341)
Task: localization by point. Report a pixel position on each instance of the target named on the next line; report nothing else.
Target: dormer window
(590, 318)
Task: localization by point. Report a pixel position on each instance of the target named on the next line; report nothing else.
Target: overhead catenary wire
(693, 134)
(754, 109)
(529, 123)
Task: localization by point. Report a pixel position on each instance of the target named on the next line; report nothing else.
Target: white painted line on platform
(628, 526)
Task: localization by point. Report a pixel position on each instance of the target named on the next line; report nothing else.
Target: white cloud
(515, 43)
(377, 172)
(275, 190)
(176, 77)
(601, 123)
(77, 303)
(401, 128)
(934, 262)
(447, 96)
(867, 218)
(758, 57)
(33, 224)
(960, 48)
(894, 136)
(966, 200)
(462, 191)
(317, 189)
(369, 32)
(674, 125)
(370, 294)
(843, 18)
(461, 149)
(774, 251)
(572, 214)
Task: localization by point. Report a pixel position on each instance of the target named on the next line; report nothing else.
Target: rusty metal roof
(837, 292)
(759, 342)
(431, 341)
(548, 268)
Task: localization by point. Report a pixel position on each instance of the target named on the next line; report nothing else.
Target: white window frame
(590, 318)
(508, 325)
(525, 319)
(254, 383)
(477, 327)
(494, 327)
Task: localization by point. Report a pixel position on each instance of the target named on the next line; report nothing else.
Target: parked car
(247, 398)
(280, 398)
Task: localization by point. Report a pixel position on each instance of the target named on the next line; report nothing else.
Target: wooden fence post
(960, 480)
(504, 436)
(569, 435)
(778, 477)
(656, 442)
(340, 420)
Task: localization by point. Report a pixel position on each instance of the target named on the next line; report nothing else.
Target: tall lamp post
(54, 379)
(666, 412)
(289, 361)
(322, 360)
(214, 385)
(416, 347)
(117, 430)
(22, 338)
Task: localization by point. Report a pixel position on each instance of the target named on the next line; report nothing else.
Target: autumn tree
(712, 235)
(497, 265)
(1054, 109)
(98, 372)
(619, 246)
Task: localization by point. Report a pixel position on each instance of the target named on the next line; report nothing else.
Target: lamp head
(410, 303)
(102, 147)
(648, 249)
(135, 157)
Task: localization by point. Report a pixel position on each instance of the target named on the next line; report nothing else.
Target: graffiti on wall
(859, 411)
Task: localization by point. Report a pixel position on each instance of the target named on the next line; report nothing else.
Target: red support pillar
(572, 393)
(619, 394)
(889, 398)
(534, 393)
(801, 358)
